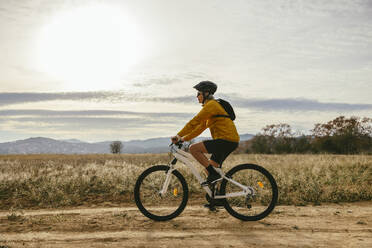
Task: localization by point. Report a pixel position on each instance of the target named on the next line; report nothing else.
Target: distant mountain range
(41, 145)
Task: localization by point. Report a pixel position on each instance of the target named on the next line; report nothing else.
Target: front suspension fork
(163, 191)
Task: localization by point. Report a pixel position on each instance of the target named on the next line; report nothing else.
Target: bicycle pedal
(211, 208)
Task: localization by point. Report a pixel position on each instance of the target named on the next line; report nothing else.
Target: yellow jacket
(220, 127)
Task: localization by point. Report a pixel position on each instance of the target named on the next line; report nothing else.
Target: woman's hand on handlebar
(176, 139)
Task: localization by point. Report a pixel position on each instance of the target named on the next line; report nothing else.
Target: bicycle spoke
(149, 198)
(152, 186)
(258, 203)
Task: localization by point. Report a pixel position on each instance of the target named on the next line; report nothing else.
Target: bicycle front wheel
(262, 197)
(150, 201)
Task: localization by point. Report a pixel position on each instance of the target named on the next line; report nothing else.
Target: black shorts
(220, 149)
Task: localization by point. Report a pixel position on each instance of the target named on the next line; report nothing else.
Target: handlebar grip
(178, 144)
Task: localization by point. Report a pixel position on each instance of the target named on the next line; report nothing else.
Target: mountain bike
(247, 191)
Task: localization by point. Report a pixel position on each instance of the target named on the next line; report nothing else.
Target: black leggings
(220, 149)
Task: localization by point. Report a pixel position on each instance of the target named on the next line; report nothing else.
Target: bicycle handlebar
(178, 144)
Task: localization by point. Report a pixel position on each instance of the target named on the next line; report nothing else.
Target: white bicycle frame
(186, 158)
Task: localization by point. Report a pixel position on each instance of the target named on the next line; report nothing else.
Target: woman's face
(200, 96)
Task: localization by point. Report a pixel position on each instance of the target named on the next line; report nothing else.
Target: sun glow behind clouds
(89, 48)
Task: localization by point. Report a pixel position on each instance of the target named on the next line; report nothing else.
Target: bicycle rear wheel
(149, 200)
(255, 206)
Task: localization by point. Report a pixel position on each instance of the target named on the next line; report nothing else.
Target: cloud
(88, 114)
(285, 104)
(273, 104)
(92, 123)
(27, 97)
(97, 96)
(182, 99)
(81, 122)
(89, 124)
(157, 81)
(298, 104)
(169, 79)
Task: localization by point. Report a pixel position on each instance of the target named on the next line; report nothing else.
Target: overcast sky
(104, 70)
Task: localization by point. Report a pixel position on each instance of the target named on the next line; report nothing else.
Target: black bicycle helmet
(206, 86)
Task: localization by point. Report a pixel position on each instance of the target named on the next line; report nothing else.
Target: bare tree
(281, 130)
(116, 147)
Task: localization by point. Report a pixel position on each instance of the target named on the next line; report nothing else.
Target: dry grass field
(43, 181)
(87, 201)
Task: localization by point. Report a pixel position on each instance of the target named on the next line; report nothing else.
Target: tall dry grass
(69, 180)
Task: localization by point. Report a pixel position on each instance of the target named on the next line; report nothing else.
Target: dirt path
(334, 225)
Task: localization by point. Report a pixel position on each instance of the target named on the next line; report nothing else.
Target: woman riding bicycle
(223, 131)
(247, 191)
